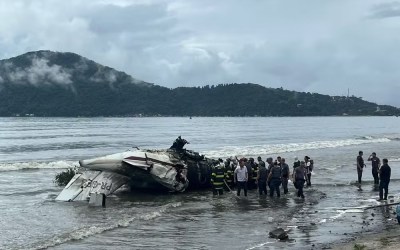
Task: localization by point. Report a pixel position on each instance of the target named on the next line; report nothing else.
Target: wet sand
(384, 235)
(388, 239)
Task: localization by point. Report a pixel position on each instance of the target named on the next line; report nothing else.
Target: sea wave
(85, 232)
(225, 151)
(37, 165)
(256, 150)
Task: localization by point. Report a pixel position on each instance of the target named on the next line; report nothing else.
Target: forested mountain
(46, 83)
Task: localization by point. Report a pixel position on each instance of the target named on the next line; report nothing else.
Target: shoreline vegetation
(75, 86)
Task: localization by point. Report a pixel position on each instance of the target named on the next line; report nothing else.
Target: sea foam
(267, 149)
(37, 165)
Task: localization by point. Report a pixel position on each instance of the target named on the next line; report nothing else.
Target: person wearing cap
(241, 177)
(360, 166)
(376, 163)
(384, 175)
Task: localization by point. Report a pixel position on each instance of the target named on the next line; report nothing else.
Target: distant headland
(51, 84)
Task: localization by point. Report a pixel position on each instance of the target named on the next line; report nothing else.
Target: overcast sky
(319, 46)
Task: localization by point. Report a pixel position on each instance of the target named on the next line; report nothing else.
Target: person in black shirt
(275, 178)
(376, 163)
(295, 165)
(360, 165)
(262, 176)
(384, 174)
(285, 175)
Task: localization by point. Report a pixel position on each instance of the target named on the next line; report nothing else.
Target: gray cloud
(386, 10)
(312, 45)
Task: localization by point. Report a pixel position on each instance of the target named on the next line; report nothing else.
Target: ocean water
(33, 150)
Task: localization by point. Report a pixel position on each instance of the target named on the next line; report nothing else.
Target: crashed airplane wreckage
(175, 169)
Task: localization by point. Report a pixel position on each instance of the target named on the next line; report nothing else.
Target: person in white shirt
(241, 177)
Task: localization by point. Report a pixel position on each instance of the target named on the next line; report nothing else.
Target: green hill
(46, 83)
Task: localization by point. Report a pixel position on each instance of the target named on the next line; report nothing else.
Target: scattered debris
(279, 233)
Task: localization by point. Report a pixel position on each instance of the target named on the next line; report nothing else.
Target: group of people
(244, 174)
(247, 174)
(380, 173)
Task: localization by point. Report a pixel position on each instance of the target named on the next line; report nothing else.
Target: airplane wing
(82, 184)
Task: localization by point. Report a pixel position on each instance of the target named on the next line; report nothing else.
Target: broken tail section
(83, 184)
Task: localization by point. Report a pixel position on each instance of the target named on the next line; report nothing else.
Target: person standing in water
(285, 175)
(269, 167)
(308, 169)
(296, 164)
(262, 177)
(217, 178)
(384, 174)
(376, 163)
(300, 178)
(229, 173)
(253, 176)
(360, 166)
(241, 177)
(275, 176)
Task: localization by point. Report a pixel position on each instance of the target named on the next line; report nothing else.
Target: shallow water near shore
(33, 150)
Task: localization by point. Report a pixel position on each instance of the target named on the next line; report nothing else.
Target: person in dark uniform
(384, 175)
(260, 162)
(262, 177)
(217, 179)
(229, 173)
(247, 164)
(360, 166)
(275, 176)
(269, 167)
(278, 160)
(254, 171)
(285, 175)
(376, 163)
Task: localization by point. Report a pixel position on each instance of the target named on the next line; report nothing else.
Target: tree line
(94, 99)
